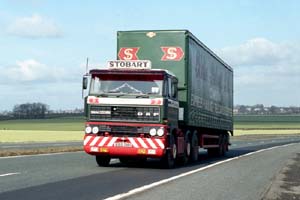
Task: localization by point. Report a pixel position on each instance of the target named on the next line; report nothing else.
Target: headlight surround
(160, 132)
(88, 129)
(95, 129)
(152, 132)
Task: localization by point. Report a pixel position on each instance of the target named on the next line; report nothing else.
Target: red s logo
(128, 53)
(172, 53)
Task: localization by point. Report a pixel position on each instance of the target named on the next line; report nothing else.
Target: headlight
(152, 131)
(88, 129)
(95, 129)
(160, 132)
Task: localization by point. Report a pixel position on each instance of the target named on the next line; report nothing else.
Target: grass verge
(55, 124)
(266, 132)
(19, 152)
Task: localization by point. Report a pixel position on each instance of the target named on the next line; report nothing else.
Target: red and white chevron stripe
(101, 141)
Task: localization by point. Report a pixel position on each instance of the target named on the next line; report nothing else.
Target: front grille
(121, 131)
(124, 113)
(124, 129)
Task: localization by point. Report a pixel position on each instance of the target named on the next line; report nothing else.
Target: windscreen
(102, 85)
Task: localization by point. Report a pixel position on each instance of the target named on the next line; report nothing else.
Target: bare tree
(30, 111)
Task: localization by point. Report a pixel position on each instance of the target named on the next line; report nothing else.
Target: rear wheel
(194, 147)
(219, 151)
(226, 142)
(169, 159)
(103, 161)
(223, 145)
(183, 159)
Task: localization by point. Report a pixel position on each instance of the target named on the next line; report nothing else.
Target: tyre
(183, 159)
(226, 143)
(194, 151)
(169, 159)
(103, 161)
(219, 151)
(223, 145)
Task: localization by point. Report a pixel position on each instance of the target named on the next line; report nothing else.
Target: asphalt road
(76, 175)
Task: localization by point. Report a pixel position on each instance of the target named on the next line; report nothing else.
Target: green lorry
(166, 96)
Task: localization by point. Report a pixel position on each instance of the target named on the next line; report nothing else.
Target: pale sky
(44, 44)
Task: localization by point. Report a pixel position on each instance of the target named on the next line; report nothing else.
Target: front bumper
(124, 146)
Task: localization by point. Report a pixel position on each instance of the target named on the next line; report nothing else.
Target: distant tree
(274, 110)
(294, 110)
(260, 106)
(30, 111)
(242, 109)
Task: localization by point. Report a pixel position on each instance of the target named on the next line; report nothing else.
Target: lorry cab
(148, 95)
(130, 111)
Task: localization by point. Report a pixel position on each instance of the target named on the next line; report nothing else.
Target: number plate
(123, 144)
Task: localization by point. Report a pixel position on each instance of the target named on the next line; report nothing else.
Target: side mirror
(84, 83)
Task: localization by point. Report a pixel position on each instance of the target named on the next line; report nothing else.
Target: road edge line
(41, 154)
(161, 182)
(9, 174)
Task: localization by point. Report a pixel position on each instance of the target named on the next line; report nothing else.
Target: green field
(267, 122)
(71, 129)
(40, 136)
(56, 124)
(42, 130)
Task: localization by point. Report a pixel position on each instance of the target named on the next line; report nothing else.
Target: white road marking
(9, 174)
(161, 182)
(59, 144)
(114, 161)
(35, 155)
(12, 146)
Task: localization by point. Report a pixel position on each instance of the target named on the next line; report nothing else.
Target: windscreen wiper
(102, 95)
(142, 96)
(113, 91)
(117, 92)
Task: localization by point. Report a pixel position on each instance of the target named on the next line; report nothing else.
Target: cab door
(172, 102)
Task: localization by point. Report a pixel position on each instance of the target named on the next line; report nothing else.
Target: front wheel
(103, 161)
